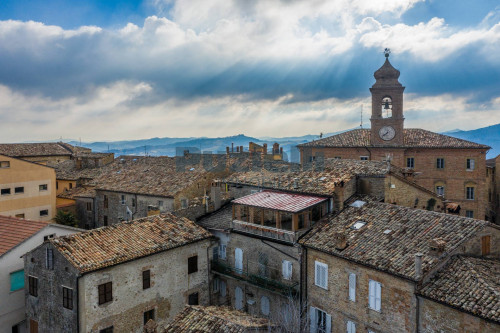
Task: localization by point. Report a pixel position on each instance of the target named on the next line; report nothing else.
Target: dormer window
(387, 107)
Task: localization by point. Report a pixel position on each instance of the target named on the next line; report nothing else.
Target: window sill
(324, 288)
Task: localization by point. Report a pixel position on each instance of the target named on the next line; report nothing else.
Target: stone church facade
(450, 167)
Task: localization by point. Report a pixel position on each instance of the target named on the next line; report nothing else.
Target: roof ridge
(479, 277)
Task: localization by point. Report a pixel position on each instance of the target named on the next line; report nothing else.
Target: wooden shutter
(264, 305)
(328, 323)
(352, 287)
(33, 326)
(485, 245)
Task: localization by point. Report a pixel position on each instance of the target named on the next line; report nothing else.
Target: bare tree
(291, 317)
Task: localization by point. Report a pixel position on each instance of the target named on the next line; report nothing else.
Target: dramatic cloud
(224, 67)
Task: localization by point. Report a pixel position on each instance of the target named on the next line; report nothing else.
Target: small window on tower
(387, 107)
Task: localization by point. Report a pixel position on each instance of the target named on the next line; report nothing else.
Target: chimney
(241, 149)
(418, 265)
(281, 150)
(232, 147)
(227, 150)
(264, 149)
(216, 197)
(437, 245)
(237, 149)
(78, 163)
(340, 240)
(295, 183)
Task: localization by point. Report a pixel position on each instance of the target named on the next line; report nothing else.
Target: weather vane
(387, 52)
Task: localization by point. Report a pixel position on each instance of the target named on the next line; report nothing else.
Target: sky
(113, 70)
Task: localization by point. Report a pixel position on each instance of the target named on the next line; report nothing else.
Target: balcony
(267, 232)
(281, 287)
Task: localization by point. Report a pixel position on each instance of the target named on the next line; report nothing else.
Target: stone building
(117, 277)
(450, 167)
(18, 236)
(27, 189)
(199, 319)
(366, 266)
(493, 189)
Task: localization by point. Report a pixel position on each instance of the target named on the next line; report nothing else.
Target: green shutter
(17, 280)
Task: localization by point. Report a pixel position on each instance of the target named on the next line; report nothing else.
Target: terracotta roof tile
(112, 245)
(413, 138)
(287, 202)
(14, 230)
(36, 149)
(220, 219)
(391, 236)
(319, 178)
(84, 192)
(198, 319)
(470, 284)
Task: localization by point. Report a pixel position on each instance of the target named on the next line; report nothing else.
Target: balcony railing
(284, 288)
(268, 232)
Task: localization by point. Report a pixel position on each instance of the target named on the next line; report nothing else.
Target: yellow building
(27, 189)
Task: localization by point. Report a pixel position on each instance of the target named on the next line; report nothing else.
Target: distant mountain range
(174, 146)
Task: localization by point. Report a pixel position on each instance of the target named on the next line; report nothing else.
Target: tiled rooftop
(14, 231)
(413, 138)
(147, 175)
(470, 284)
(112, 245)
(84, 192)
(198, 319)
(220, 219)
(391, 236)
(36, 149)
(286, 202)
(320, 179)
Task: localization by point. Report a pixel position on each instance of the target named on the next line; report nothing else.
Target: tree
(66, 218)
(291, 318)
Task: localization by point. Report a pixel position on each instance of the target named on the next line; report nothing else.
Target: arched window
(387, 107)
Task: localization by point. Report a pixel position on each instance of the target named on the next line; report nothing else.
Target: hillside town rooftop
(112, 245)
(14, 230)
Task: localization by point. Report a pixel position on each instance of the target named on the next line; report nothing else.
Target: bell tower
(387, 121)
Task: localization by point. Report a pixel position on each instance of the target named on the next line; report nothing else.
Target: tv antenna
(361, 112)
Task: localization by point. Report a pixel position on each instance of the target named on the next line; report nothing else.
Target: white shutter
(222, 288)
(371, 294)
(328, 323)
(472, 164)
(286, 267)
(289, 270)
(378, 294)
(264, 305)
(238, 298)
(351, 327)
(312, 319)
(321, 275)
(238, 259)
(352, 287)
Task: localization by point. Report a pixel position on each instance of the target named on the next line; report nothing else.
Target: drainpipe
(77, 306)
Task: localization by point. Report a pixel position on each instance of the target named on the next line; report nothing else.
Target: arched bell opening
(386, 107)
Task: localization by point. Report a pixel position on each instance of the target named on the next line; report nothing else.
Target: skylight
(358, 225)
(358, 203)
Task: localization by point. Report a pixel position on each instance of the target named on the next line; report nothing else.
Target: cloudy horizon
(166, 68)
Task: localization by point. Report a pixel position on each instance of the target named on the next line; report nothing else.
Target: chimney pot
(418, 265)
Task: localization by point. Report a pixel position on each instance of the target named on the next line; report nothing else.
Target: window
(57, 185)
(222, 251)
(33, 326)
(149, 315)
(33, 286)
(193, 299)
(89, 206)
(485, 245)
(105, 292)
(70, 186)
(5, 191)
(105, 201)
(146, 279)
(4, 164)
(440, 190)
(19, 190)
(321, 275)
(133, 202)
(105, 222)
(49, 259)
(374, 295)
(469, 213)
(352, 287)
(44, 212)
(123, 199)
(216, 285)
(20, 216)
(410, 162)
(440, 163)
(192, 264)
(320, 321)
(264, 305)
(68, 298)
(222, 288)
(107, 330)
(363, 158)
(43, 187)
(238, 260)
(17, 280)
(238, 298)
(469, 193)
(470, 164)
(184, 203)
(160, 203)
(351, 327)
(286, 269)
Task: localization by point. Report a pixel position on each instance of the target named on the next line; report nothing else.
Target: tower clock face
(387, 133)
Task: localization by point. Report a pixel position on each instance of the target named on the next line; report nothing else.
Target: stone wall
(435, 317)
(398, 303)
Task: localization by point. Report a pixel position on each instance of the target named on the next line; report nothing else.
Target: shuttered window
(33, 286)
(351, 327)
(319, 321)
(352, 287)
(286, 269)
(68, 298)
(192, 264)
(264, 305)
(105, 292)
(374, 295)
(321, 274)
